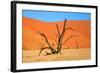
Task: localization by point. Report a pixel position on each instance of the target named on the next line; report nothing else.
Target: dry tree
(59, 41)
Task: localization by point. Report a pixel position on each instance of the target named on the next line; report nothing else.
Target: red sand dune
(32, 40)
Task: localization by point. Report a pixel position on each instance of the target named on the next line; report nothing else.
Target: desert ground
(67, 54)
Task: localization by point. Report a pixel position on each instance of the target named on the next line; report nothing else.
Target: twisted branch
(69, 38)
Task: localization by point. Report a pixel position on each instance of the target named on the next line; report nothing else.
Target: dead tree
(59, 41)
(53, 51)
(61, 36)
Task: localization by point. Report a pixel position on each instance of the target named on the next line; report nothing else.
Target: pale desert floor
(67, 54)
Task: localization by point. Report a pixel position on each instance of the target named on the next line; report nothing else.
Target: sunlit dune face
(32, 40)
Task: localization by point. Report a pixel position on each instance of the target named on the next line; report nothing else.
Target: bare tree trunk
(59, 45)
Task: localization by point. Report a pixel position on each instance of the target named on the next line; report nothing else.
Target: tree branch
(43, 49)
(68, 28)
(77, 45)
(58, 29)
(56, 35)
(43, 35)
(50, 47)
(69, 38)
(55, 41)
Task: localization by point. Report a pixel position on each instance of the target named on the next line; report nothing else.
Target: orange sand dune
(32, 40)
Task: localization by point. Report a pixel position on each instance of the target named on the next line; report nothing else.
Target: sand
(67, 54)
(32, 40)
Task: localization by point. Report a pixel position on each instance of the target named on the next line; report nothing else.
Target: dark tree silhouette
(59, 41)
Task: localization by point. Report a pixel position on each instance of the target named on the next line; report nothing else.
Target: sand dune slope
(32, 40)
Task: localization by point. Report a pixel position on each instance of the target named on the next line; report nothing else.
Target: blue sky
(52, 16)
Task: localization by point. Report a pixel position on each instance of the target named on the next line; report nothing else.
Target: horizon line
(53, 21)
(52, 16)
